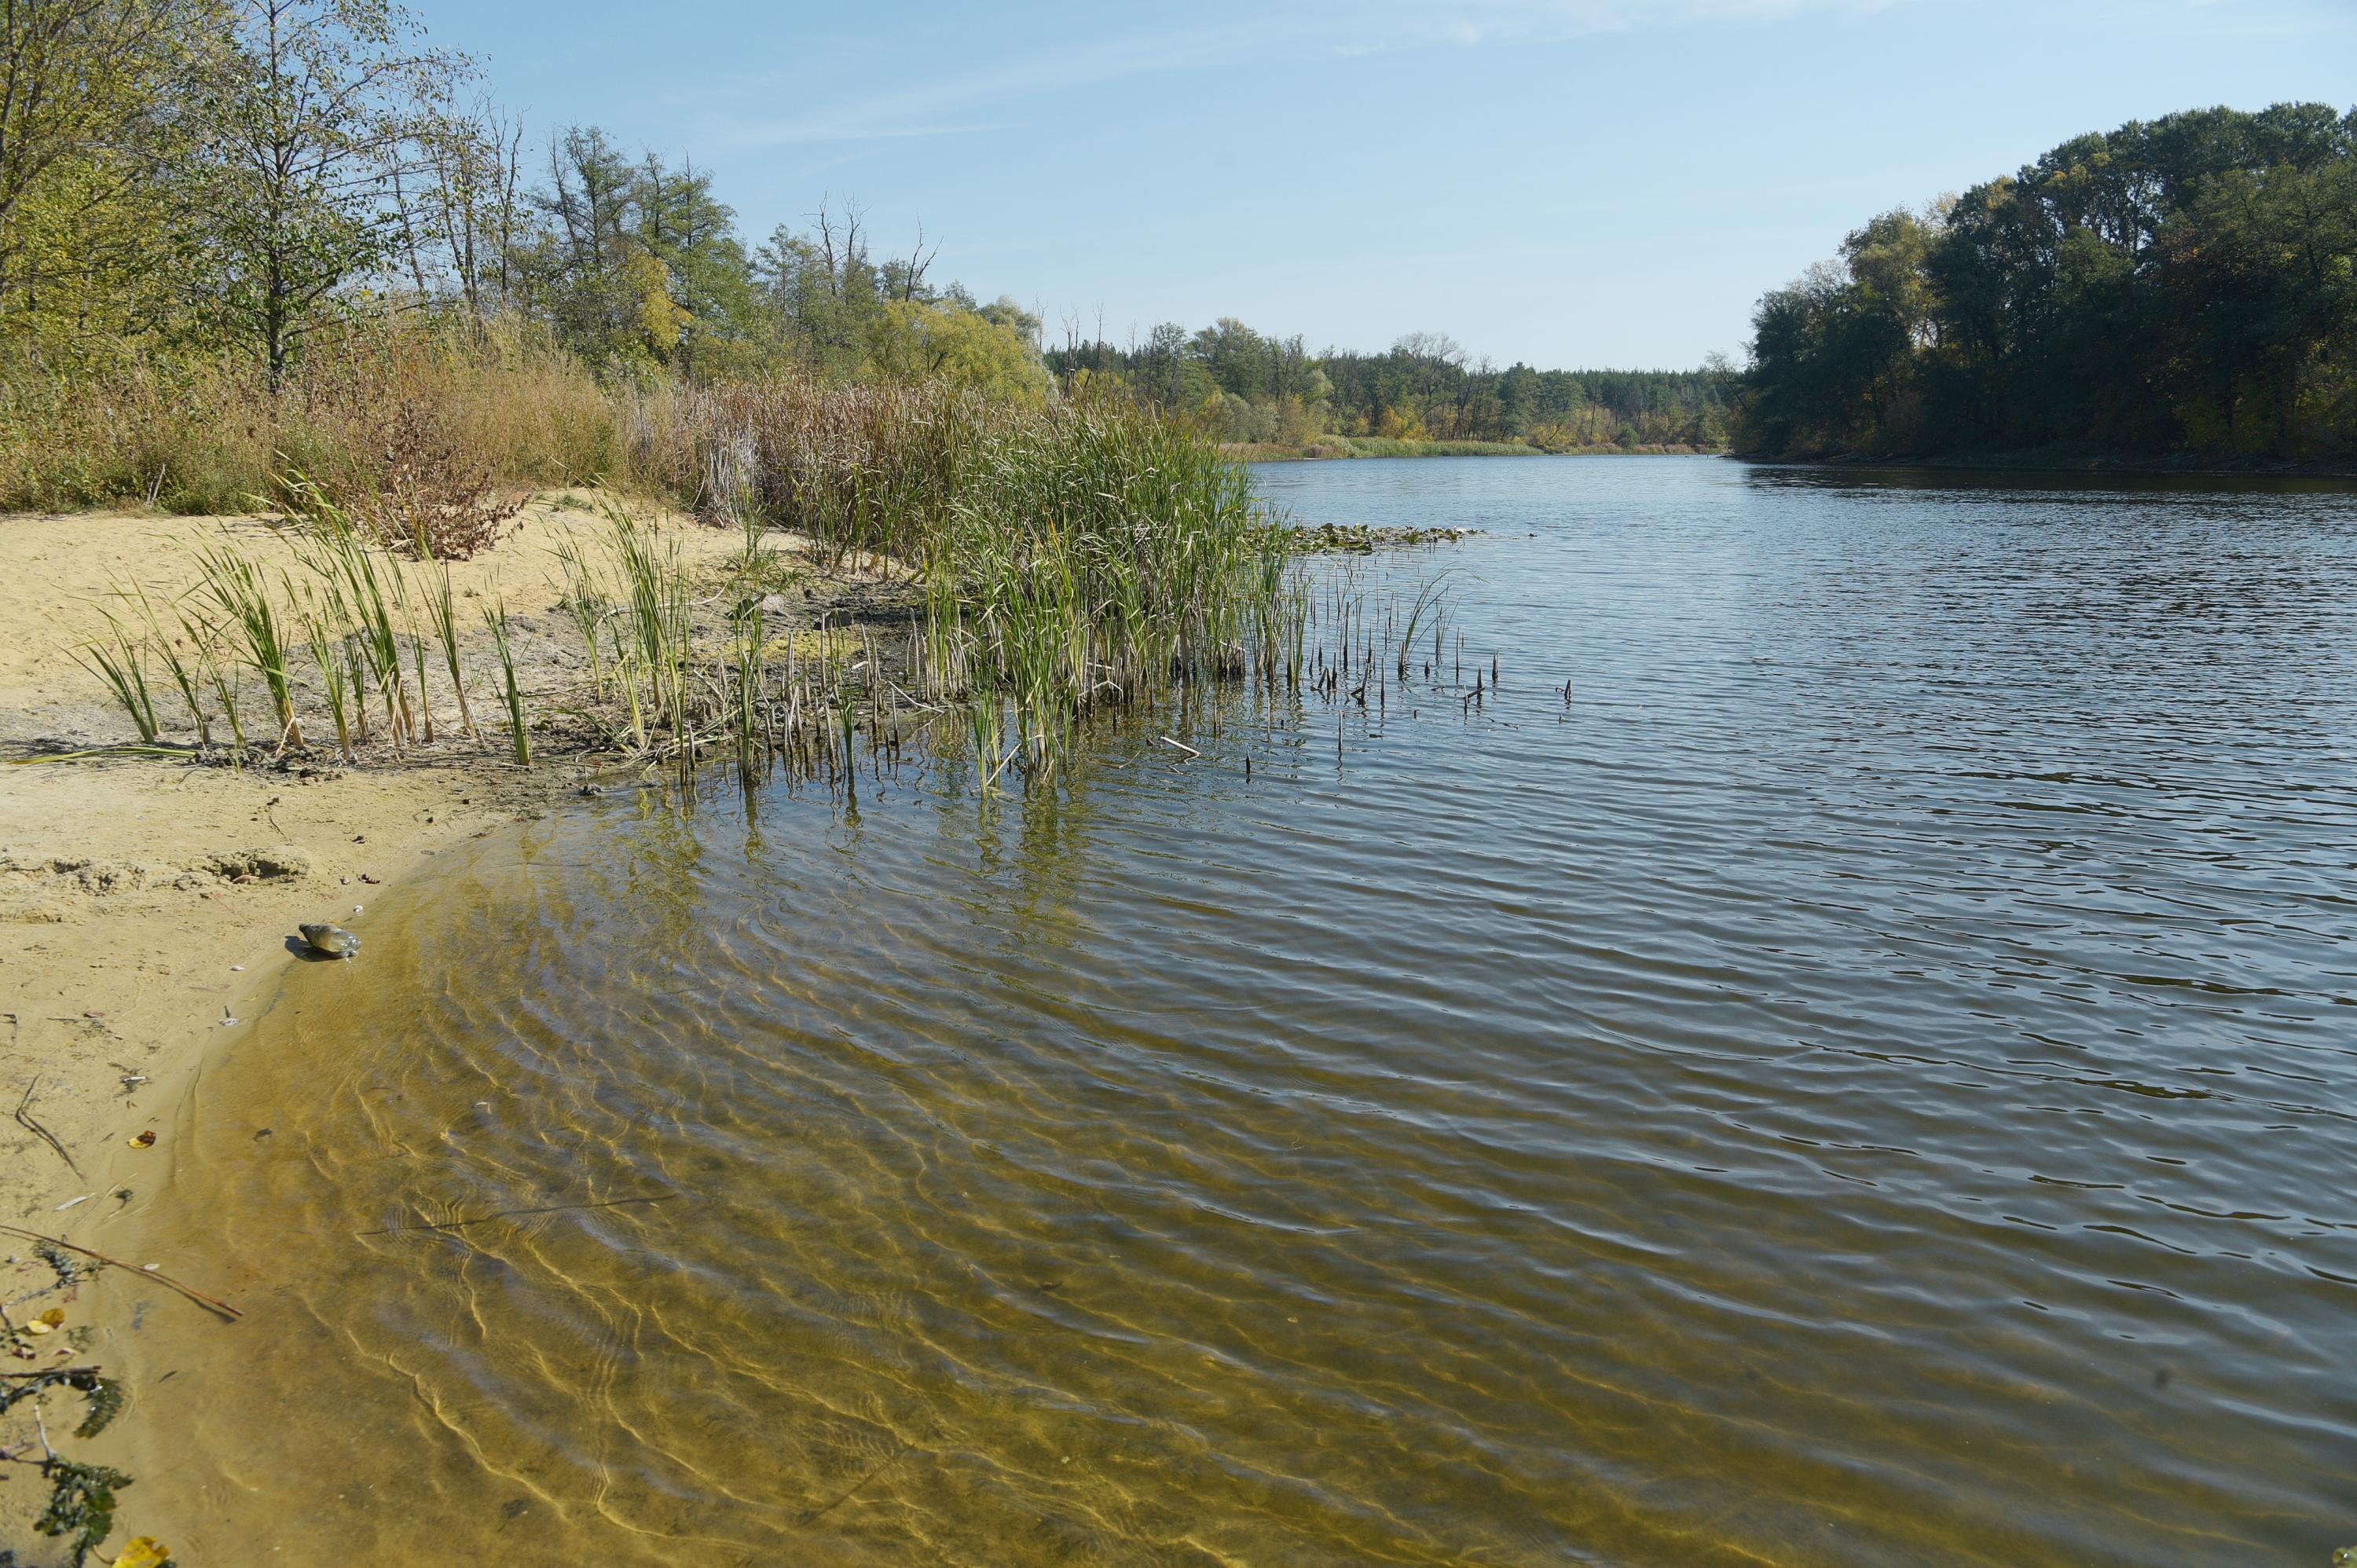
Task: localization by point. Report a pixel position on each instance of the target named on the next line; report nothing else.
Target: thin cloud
(946, 106)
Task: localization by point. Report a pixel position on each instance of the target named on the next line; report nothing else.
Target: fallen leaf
(143, 1552)
(144, 1140)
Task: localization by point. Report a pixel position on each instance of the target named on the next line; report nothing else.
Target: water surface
(1867, 1076)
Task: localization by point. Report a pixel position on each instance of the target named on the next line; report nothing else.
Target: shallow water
(1868, 1080)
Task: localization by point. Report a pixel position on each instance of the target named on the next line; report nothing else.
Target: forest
(2180, 289)
(1268, 392)
(237, 230)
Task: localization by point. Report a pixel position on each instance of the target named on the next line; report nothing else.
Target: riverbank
(1384, 446)
(142, 895)
(2073, 461)
(149, 895)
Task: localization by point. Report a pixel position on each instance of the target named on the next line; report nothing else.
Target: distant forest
(2182, 287)
(1249, 387)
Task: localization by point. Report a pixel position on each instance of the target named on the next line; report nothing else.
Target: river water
(1844, 1057)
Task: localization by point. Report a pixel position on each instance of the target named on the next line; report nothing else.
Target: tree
(990, 351)
(2183, 283)
(86, 93)
(316, 109)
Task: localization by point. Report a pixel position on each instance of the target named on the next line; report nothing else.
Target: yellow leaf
(142, 1140)
(143, 1552)
(53, 1318)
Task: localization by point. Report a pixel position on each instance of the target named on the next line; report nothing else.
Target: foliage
(81, 1497)
(914, 340)
(1242, 387)
(85, 86)
(304, 129)
(2186, 285)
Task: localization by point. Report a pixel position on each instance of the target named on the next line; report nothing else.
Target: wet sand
(148, 903)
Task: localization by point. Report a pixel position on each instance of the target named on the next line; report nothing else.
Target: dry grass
(407, 425)
(1074, 554)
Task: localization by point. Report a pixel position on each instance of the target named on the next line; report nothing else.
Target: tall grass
(1081, 553)
(1065, 557)
(441, 615)
(249, 611)
(390, 418)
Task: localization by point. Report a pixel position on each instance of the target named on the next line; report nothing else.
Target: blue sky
(1565, 182)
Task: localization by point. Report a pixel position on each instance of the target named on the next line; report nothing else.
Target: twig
(1181, 745)
(812, 1516)
(200, 1297)
(54, 1372)
(24, 1121)
(516, 1214)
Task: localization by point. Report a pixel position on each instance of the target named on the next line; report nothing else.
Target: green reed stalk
(417, 651)
(496, 619)
(187, 676)
(746, 625)
(123, 668)
(338, 555)
(328, 651)
(582, 602)
(1428, 601)
(218, 679)
(441, 615)
(237, 587)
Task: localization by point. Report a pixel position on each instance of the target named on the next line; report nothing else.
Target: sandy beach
(142, 896)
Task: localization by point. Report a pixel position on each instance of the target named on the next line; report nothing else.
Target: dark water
(1868, 1080)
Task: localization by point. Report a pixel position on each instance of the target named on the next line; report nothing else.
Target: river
(1842, 1056)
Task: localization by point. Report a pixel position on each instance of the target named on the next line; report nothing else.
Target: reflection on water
(1869, 1080)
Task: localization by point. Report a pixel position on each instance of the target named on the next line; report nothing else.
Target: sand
(149, 903)
(142, 898)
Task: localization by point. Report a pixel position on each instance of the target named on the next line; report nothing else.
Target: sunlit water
(1868, 1080)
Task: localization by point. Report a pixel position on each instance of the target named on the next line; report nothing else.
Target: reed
(495, 620)
(1068, 556)
(220, 678)
(237, 587)
(1430, 600)
(440, 615)
(657, 619)
(584, 604)
(750, 688)
(123, 668)
(1065, 558)
(322, 623)
(183, 670)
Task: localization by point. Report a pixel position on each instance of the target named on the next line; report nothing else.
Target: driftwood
(25, 1120)
(211, 1303)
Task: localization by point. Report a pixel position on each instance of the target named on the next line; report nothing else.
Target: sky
(1566, 183)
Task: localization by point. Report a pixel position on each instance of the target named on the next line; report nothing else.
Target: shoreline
(1322, 451)
(149, 895)
(2096, 466)
(141, 896)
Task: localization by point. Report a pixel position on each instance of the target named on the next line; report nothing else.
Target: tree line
(254, 179)
(2185, 285)
(1249, 387)
(250, 174)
